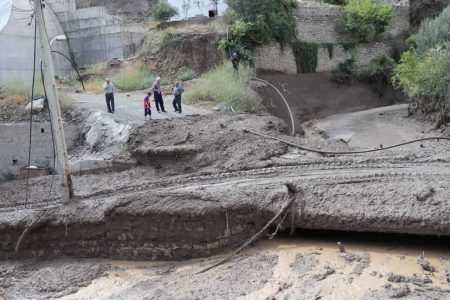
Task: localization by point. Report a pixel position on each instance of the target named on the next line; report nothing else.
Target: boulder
(38, 105)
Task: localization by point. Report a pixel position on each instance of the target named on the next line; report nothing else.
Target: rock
(399, 292)
(424, 194)
(223, 106)
(38, 105)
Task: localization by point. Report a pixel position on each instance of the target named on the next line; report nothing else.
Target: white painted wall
(198, 7)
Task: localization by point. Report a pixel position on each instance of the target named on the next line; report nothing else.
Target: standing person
(156, 88)
(147, 107)
(177, 92)
(235, 62)
(109, 89)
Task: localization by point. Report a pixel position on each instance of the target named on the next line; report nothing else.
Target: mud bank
(316, 95)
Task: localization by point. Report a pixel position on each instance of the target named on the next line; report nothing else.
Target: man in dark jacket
(177, 92)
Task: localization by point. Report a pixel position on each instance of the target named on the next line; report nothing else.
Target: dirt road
(130, 106)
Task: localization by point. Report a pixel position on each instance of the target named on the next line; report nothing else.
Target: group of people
(178, 90)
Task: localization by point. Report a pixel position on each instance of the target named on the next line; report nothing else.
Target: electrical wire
(346, 152)
(31, 111)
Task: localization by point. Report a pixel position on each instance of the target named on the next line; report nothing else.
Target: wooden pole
(62, 161)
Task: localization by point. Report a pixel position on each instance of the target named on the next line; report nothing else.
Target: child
(147, 106)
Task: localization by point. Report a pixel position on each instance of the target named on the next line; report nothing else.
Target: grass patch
(133, 78)
(17, 91)
(221, 85)
(186, 75)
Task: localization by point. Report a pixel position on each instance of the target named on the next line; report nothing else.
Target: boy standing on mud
(147, 107)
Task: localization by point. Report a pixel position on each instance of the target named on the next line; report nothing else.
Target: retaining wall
(14, 142)
(96, 36)
(316, 24)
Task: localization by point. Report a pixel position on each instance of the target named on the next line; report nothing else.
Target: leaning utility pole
(62, 165)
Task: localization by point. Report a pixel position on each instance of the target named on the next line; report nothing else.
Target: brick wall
(14, 141)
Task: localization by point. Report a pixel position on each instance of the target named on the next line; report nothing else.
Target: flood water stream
(307, 266)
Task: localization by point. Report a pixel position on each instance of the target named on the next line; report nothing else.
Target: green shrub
(305, 56)
(186, 75)
(433, 32)
(133, 80)
(229, 17)
(343, 72)
(424, 70)
(222, 85)
(367, 19)
(426, 79)
(260, 23)
(379, 69)
(163, 11)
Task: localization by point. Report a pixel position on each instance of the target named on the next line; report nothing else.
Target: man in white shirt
(108, 87)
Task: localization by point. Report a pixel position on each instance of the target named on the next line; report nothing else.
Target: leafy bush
(367, 19)
(426, 79)
(163, 11)
(259, 23)
(222, 85)
(424, 70)
(343, 72)
(229, 17)
(379, 69)
(381, 65)
(186, 75)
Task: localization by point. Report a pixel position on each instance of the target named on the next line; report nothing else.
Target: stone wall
(316, 24)
(96, 36)
(14, 142)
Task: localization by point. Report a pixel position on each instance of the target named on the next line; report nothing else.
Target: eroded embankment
(144, 226)
(204, 186)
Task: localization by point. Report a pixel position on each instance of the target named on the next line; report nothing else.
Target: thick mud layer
(202, 185)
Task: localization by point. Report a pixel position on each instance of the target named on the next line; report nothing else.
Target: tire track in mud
(332, 172)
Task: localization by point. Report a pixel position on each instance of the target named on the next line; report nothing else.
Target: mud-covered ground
(303, 267)
(206, 167)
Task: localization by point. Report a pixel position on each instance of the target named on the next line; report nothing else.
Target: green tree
(163, 11)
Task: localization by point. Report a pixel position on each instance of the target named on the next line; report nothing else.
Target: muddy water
(288, 279)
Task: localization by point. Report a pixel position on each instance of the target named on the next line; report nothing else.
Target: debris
(341, 247)
(293, 193)
(425, 264)
(324, 273)
(417, 280)
(400, 292)
(223, 106)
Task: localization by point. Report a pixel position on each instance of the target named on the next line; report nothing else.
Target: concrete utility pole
(62, 165)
